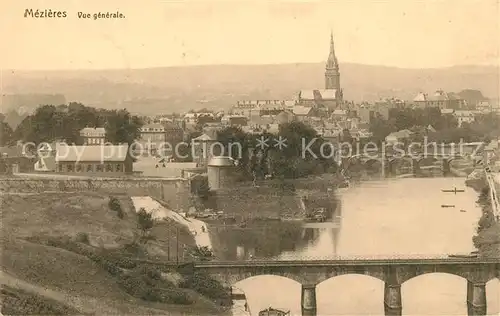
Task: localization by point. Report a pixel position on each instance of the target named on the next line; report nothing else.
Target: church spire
(332, 59)
(332, 74)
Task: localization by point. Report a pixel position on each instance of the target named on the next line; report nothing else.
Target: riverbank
(271, 199)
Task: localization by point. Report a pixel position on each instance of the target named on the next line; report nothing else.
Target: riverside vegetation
(487, 240)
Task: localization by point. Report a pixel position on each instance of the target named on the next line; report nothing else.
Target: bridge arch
(380, 277)
(338, 294)
(231, 279)
(440, 292)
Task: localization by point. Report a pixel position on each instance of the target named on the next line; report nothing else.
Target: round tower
(220, 171)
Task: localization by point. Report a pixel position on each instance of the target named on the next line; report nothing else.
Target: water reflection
(385, 217)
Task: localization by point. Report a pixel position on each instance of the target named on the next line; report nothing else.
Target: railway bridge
(393, 272)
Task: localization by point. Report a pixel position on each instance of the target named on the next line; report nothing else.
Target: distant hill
(169, 89)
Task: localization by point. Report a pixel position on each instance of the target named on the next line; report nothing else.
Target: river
(376, 218)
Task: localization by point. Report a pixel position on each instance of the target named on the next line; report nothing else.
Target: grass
(19, 302)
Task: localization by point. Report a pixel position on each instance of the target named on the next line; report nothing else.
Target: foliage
(202, 253)
(291, 161)
(82, 237)
(64, 122)
(445, 125)
(6, 134)
(17, 302)
(202, 283)
(146, 283)
(145, 223)
(115, 205)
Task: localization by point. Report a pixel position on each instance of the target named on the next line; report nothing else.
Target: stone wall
(173, 192)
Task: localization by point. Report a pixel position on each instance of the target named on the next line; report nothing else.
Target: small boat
(445, 205)
(464, 256)
(463, 211)
(453, 191)
(274, 312)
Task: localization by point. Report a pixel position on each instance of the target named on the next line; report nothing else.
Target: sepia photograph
(250, 157)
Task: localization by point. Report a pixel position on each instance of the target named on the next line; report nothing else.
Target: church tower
(332, 74)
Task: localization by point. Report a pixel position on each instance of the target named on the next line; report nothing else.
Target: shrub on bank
(114, 205)
(82, 237)
(143, 281)
(146, 283)
(16, 302)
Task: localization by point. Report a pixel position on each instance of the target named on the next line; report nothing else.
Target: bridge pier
(392, 300)
(476, 298)
(308, 300)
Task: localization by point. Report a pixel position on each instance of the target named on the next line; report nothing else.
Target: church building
(330, 98)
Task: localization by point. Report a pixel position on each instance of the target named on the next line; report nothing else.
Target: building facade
(104, 160)
(93, 136)
(160, 138)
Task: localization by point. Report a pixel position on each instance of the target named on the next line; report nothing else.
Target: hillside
(42, 255)
(168, 89)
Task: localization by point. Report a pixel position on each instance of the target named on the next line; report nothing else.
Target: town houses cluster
(324, 109)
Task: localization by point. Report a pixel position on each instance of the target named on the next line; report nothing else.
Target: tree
(6, 134)
(121, 127)
(64, 122)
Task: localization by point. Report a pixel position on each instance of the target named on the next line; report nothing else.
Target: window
(89, 168)
(60, 168)
(99, 168)
(109, 167)
(70, 168)
(79, 168)
(118, 167)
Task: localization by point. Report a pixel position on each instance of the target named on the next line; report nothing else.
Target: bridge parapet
(388, 271)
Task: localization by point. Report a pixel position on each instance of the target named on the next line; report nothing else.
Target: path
(198, 229)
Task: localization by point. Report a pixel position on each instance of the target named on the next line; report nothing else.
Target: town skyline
(171, 34)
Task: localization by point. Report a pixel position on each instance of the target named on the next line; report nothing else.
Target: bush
(146, 283)
(82, 237)
(114, 205)
(17, 302)
(205, 285)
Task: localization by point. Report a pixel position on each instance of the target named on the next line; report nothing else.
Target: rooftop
(65, 153)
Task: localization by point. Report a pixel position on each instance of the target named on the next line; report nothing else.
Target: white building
(93, 135)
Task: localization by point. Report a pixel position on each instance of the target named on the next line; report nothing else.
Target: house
(327, 98)
(93, 135)
(159, 139)
(302, 113)
(484, 106)
(14, 159)
(104, 160)
(339, 115)
(440, 99)
(234, 120)
(464, 117)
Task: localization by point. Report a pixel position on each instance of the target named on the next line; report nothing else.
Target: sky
(400, 33)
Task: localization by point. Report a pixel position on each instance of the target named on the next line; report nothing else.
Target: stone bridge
(389, 162)
(393, 273)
